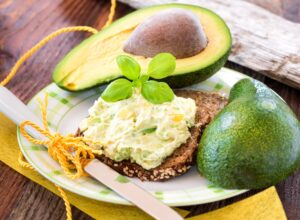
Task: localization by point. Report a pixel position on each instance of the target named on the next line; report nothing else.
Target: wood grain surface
(23, 23)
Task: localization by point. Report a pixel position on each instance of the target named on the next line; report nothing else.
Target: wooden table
(23, 23)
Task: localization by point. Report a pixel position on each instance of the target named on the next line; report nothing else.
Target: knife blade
(127, 189)
(18, 112)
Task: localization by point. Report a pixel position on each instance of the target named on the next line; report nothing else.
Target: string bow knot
(71, 152)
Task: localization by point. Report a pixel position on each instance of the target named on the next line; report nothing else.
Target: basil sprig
(161, 66)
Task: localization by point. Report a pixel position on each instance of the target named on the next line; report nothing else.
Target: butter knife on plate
(18, 112)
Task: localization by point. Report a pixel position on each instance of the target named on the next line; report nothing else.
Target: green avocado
(254, 142)
(92, 62)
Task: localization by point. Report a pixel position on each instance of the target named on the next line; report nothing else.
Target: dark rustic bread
(208, 105)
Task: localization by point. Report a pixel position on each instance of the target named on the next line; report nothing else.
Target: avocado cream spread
(137, 130)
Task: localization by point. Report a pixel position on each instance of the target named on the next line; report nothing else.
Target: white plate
(66, 110)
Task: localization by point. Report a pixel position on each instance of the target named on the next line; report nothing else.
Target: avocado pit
(176, 31)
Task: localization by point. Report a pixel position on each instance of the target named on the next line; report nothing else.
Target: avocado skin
(254, 142)
(187, 79)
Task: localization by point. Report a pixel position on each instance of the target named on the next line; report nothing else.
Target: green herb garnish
(157, 92)
(117, 90)
(129, 67)
(149, 130)
(161, 66)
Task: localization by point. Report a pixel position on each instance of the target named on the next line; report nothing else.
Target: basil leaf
(138, 82)
(129, 67)
(144, 78)
(149, 130)
(117, 90)
(157, 92)
(161, 66)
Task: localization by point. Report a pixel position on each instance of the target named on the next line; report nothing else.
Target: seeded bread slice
(208, 105)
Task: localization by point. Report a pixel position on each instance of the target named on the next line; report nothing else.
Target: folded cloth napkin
(264, 205)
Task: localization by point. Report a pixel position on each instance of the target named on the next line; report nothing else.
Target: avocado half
(92, 62)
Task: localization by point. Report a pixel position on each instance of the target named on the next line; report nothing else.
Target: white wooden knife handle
(17, 111)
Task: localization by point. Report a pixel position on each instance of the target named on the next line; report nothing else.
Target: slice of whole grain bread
(208, 105)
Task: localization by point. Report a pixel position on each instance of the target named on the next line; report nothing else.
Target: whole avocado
(254, 142)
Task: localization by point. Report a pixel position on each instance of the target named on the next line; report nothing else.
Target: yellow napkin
(9, 150)
(264, 205)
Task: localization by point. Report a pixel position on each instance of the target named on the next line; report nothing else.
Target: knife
(18, 112)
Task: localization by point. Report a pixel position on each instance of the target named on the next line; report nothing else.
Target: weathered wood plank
(262, 41)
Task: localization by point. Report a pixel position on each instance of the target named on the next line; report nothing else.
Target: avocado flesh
(92, 62)
(254, 142)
